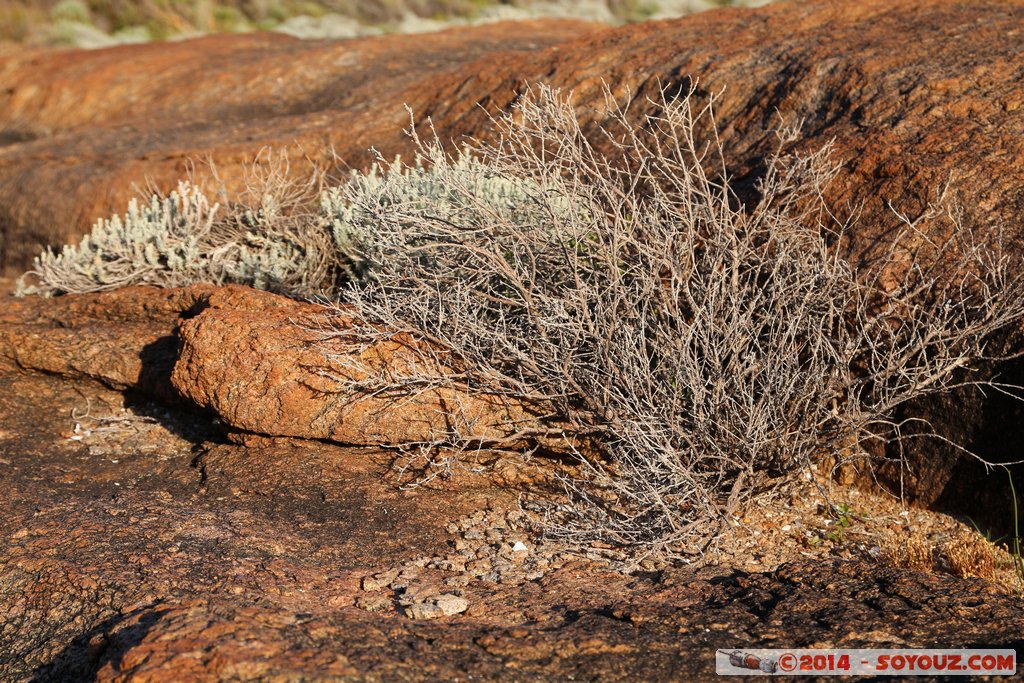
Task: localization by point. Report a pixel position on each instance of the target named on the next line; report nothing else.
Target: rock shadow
(103, 645)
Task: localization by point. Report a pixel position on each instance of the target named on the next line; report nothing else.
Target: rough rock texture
(258, 361)
(906, 115)
(267, 368)
(914, 94)
(140, 546)
(124, 339)
(83, 131)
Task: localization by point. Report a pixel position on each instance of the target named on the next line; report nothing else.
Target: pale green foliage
(267, 248)
(461, 190)
(263, 242)
(185, 238)
(158, 243)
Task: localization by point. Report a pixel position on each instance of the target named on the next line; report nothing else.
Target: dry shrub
(702, 347)
(964, 554)
(915, 552)
(968, 554)
(708, 346)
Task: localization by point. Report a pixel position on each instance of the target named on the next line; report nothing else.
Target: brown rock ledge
(256, 360)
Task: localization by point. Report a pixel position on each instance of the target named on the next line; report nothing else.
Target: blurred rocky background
(102, 23)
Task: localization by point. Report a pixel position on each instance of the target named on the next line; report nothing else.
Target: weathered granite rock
(124, 339)
(256, 360)
(174, 555)
(167, 556)
(82, 131)
(273, 372)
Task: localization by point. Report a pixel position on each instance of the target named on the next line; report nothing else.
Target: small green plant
(459, 191)
(71, 10)
(1014, 545)
(155, 243)
(844, 516)
(986, 533)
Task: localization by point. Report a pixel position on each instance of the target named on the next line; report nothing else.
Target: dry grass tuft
(969, 554)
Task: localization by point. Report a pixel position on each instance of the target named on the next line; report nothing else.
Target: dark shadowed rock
(158, 553)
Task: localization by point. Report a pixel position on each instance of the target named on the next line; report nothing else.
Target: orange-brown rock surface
(275, 372)
(138, 545)
(146, 542)
(914, 92)
(260, 362)
(124, 339)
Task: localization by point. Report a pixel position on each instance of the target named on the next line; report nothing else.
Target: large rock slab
(94, 127)
(151, 550)
(914, 93)
(125, 339)
(260, 362)
(166, 552)
(290, 369)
